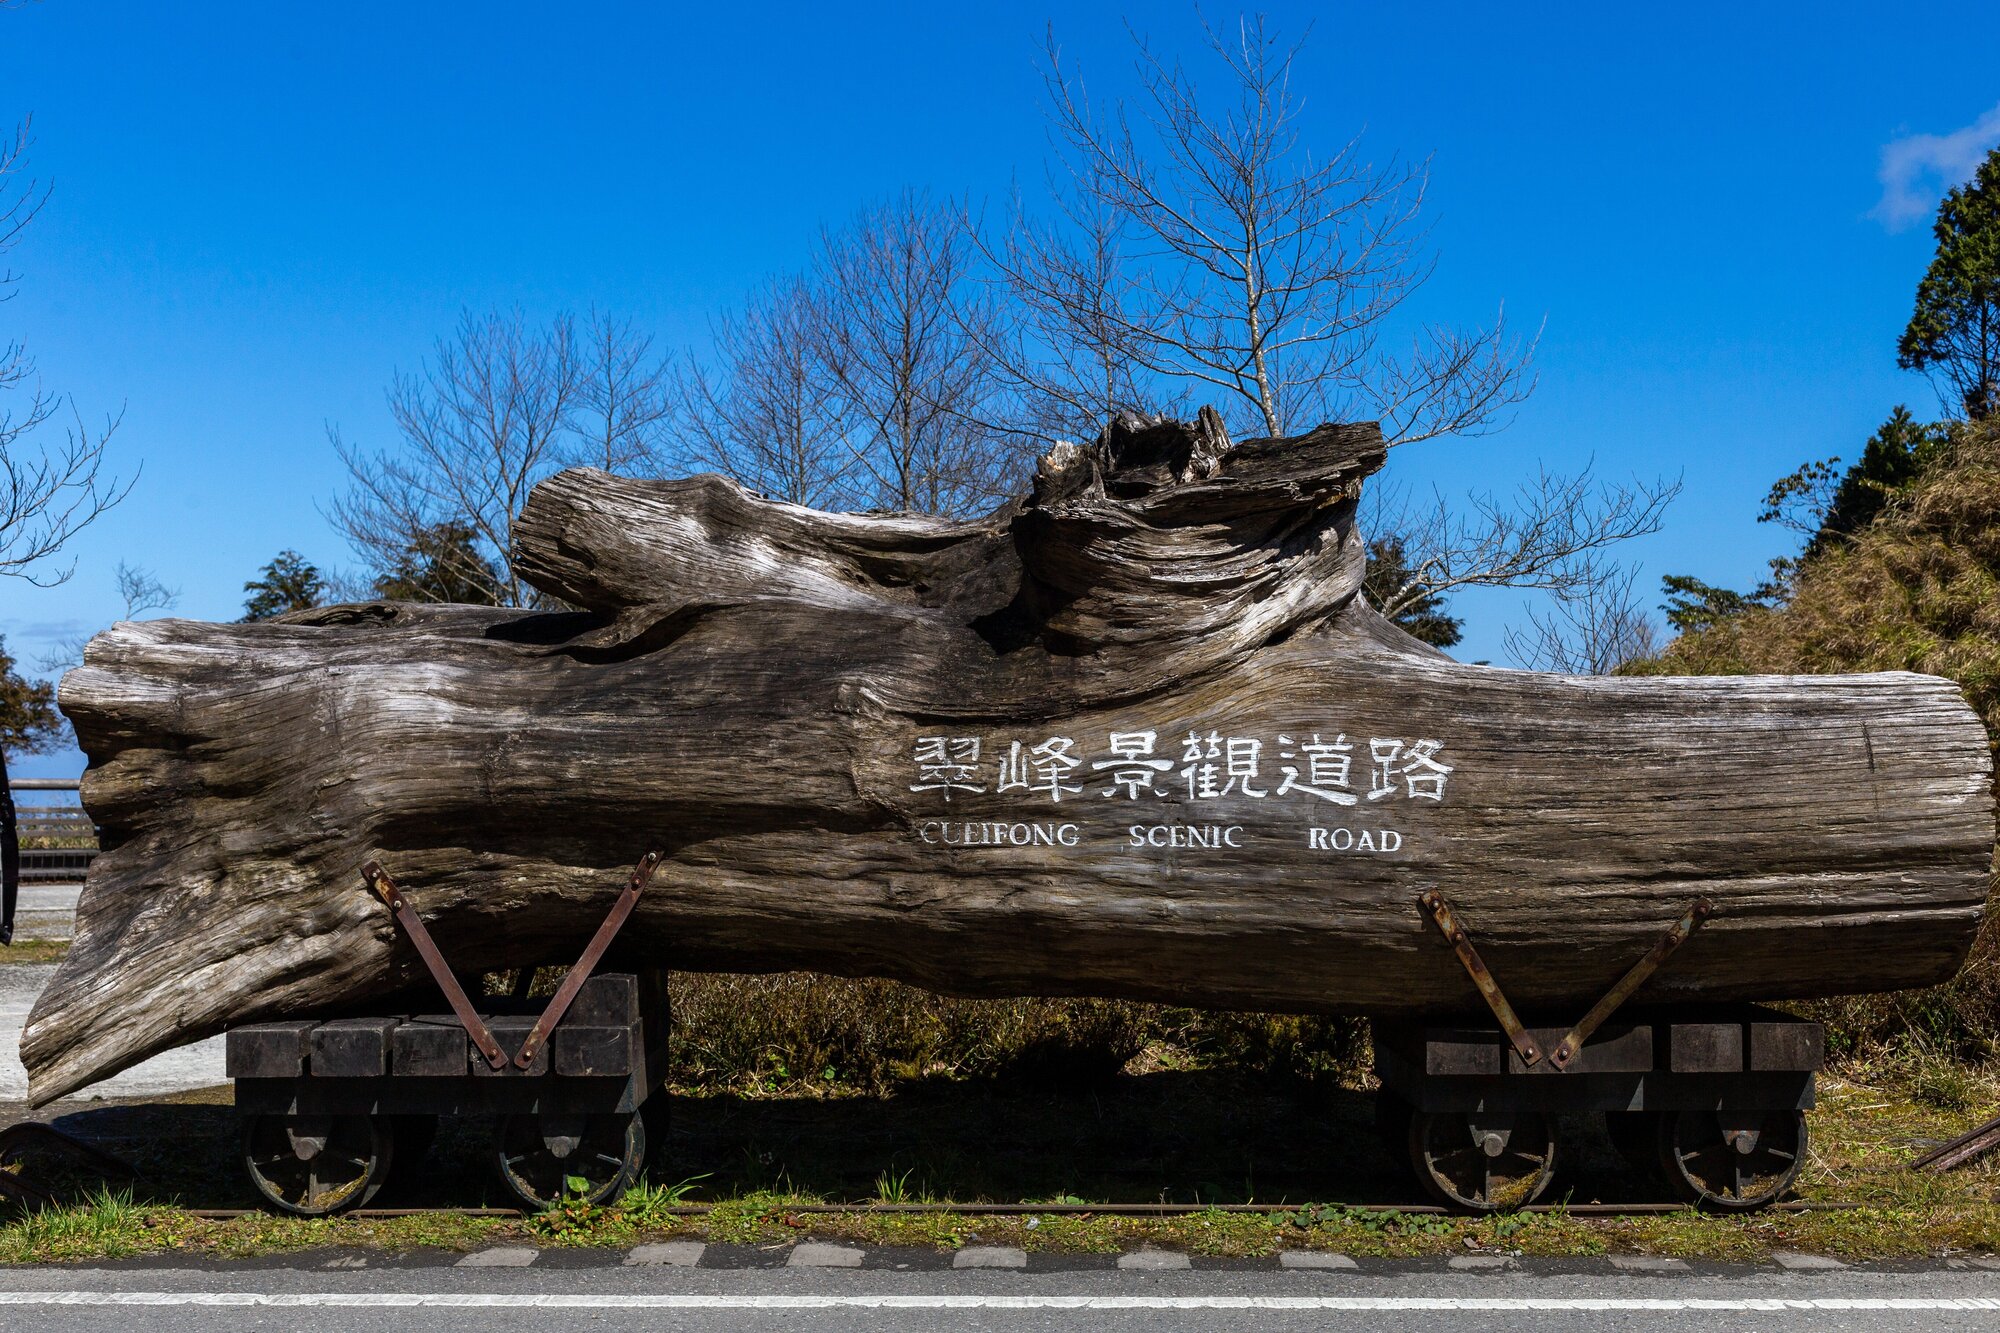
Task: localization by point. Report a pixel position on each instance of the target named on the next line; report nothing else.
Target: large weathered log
(1132, 735)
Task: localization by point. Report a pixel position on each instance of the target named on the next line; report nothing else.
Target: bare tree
(766, 408)
(1264, 272)
(140, 590)
(485, 419)
(1552, 534)
(48, 493)
(1600, 628)
(906, 337)
(622, 401)
(1073, 350)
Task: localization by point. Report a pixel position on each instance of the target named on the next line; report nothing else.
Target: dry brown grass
(802, 1031)
(1919, 590)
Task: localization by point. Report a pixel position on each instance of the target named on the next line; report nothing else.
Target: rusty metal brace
(454, 994)
(1571, 1045)
(1968, 1147)
(593, 953)
(1677, 934)
(1440, 911)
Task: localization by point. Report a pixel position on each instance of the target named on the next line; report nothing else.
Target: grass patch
(34, 951)
(106, 1224)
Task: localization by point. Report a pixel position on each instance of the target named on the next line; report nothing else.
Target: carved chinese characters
(1128, 766)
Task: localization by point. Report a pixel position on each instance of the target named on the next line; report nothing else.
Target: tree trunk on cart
(1133, 734)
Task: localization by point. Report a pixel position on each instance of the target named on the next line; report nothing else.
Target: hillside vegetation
(1918, 589)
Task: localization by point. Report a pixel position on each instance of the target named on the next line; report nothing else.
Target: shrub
(800, 1030)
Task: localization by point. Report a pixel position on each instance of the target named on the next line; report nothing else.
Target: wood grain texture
(781, 701)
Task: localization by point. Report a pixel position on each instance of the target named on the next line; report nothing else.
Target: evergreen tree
(1891, 461)
(1693, 605)
(29, 722)
(442, 563)
(1388, 572)
(289, 583)
(1954, 333)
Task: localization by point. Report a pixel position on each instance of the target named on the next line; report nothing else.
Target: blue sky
(262, 211)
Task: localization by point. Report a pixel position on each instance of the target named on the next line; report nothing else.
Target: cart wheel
(1636, 1136)
(1731, 1161)
(1485, 1161)
(316, 1165)
(541, 1157)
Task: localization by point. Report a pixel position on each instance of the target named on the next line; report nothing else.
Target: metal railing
(58, 842)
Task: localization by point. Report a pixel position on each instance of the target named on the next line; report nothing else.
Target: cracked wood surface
(754, 689)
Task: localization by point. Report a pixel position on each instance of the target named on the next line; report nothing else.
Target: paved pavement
(196, 1066)
(571, 1289)
(46, 911)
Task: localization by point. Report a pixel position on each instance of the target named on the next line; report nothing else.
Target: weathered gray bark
(779, 699)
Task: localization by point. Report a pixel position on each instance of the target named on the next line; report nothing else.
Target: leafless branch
(1256, 269)
(47, 493)
(1073, 352)
(906, 341)
(140, 590)
(1551, 534)
(622, 398)
(764, 407)
(479, 424)
(1593, 632)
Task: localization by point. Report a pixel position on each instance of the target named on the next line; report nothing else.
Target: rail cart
(330, 1108)
(1708, 1100)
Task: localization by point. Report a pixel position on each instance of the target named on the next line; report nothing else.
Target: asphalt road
(448, 1299)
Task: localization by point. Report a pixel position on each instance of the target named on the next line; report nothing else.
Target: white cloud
(45, 629)
(1918, 169)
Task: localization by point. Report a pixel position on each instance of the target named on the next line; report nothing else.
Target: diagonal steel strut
(1489, 990)
(454, 994)
(1566, 1051)
(559, 1003)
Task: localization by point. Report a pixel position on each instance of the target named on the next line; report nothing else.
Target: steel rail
(1089, 1210)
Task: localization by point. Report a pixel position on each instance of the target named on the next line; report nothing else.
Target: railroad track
(1074, 1210)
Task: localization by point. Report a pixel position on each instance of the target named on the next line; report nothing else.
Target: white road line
(442, 1300)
